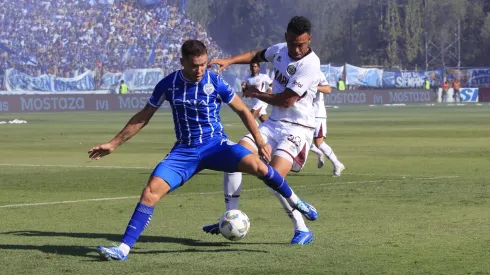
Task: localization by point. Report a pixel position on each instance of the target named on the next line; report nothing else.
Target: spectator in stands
(445, 89)
(123, 88)
(426, 84)
(69, 37)
(341, 84)
(456, 88)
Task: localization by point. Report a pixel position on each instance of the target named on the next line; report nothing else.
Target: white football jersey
(318, 102)
(301, 76)
(260, 81)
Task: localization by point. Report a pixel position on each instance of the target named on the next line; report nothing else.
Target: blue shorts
(185, 161)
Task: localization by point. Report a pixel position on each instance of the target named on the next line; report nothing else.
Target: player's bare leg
(155, 190)
(302, 234)
(327, 151)
(319, 154)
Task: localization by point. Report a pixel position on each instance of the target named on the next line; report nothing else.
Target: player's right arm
(264, 55)
(243, 58)
(324, 86)
(134, 125)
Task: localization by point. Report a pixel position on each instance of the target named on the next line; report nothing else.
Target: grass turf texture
(413, 200)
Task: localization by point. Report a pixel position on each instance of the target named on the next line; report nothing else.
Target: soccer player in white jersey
(195, 96)
(263, 83)
(319, 147)
(289, 129)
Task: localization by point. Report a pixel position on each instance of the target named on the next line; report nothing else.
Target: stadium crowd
(65, 38)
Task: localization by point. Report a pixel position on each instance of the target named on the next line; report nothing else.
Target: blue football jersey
(195, 105)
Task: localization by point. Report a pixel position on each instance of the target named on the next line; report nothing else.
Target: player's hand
(101, 150)
(222, 62)
(265, 151)
(250, 91)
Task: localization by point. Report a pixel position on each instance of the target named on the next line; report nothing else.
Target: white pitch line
(72, 166)
(220, 192)
(64, 202)
(141, 167)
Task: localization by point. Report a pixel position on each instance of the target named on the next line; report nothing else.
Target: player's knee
(262, 169)
(318, 141)
(154, 191)
(252, 165)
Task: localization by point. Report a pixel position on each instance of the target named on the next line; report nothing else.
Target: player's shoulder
(275, 49)
(212, 77)
(215, 78)
(311, 59)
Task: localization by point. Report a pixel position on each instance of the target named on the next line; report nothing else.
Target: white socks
(232, 187)
(328, 152)
(124, 248)
(293, 214)
(315, 150)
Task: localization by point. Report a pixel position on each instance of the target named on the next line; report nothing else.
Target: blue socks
(139, 221)
(277, 182)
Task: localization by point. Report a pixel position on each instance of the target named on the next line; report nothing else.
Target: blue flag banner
(479, 78)
(388, 80)
(142, 79)
(364, 77)
(332, 73)
(17, 81)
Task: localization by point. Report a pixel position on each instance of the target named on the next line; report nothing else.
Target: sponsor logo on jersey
(281, 78)
(190, 102)
(291, 69)
(209, 88)
(296, 83)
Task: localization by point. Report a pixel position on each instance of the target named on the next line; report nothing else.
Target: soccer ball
(234, 225)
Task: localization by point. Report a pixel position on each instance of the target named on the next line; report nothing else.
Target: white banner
(20, 82)
(364, 77)
(142, 79)
(110, 80)
(332, 74)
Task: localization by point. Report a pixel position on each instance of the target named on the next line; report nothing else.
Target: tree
(392, 32)
(413, 31)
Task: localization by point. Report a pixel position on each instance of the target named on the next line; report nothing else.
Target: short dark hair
(194, 48)
(299, 25)
(254, 62)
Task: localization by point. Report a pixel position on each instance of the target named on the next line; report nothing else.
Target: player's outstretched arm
(243, 58)
(285, 99)
(242, 111)
(136, 123)
(325, 89)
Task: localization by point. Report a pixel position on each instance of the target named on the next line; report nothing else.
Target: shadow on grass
(86, 251)
(54, 250)
(117, 238)
(90, 252)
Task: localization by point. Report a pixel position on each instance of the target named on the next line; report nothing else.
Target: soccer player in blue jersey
(195, 96)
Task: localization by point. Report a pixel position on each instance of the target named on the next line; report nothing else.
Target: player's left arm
(270, 82)
(296, 88)
(285, 99)
(324, 89)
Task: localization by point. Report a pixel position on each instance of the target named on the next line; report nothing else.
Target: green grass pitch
(415, 198)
